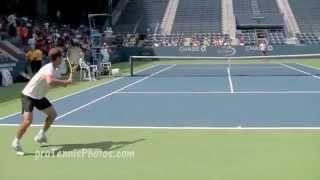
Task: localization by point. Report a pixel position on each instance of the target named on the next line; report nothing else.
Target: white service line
(301, 71)
(113, 92)
(230, 81)
(170, 128)
(81, 91)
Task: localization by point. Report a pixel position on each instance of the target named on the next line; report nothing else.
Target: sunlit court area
(160, 89)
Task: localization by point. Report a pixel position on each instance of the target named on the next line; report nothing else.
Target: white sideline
(170, 128)
(219, 92)
(301, 71)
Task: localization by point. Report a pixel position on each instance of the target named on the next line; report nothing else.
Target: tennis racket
(68, 66)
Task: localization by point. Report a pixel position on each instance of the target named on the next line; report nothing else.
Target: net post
(131, 66)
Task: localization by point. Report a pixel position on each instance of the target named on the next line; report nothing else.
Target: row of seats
(307, 14)
(194, 16)
(308, 38)
(141, 16)
(276, 37)
(190, 39)
(201, 16)
(251, 37)
(248, 7)
(5, 61)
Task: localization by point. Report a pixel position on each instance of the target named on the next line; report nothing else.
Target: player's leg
(51, 113)
(51, 116)
(27, 108)
(26, 122)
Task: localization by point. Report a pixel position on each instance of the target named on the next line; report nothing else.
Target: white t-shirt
(38, 87)
(105, 54)
(262, 47)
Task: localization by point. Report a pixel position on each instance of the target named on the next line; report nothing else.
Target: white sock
(41, 132)
(16, 141)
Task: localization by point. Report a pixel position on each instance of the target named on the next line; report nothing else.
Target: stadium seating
(308, 38)
(198, 16)
(273, 36)
(276, 37)
(255, 7)
(193, 39)
(141, 16)
(6, 62)
(307, 15)
(253, 13)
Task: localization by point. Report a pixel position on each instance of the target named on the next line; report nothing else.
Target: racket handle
(70, 77)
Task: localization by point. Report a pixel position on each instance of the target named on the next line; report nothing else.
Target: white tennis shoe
(42, 139)
(18, 148)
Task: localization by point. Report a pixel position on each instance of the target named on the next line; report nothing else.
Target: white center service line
(230, 81)
(113, 92)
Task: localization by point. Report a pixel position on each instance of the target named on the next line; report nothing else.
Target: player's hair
(54, 53)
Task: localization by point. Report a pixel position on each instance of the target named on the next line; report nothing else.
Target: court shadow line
(102, 146)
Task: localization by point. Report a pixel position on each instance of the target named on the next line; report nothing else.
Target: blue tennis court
(199, 96)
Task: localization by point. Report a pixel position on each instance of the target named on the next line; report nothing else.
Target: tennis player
(263, 48)
(33, 95)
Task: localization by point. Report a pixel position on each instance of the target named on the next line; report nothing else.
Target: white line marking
(69, 95)
(222, 92)
(113, 92)
(231, 58)
(81, 91)
(171, 128)
(299, 70)
(230, 80)
(309, 66)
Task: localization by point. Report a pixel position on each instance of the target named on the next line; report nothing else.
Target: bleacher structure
(198, 16)
(6, 63)
(275, 21)
(141, 16)
(307, 14)
(259, 20)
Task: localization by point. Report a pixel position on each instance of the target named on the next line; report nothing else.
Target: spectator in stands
(206, 42)
(12, 20)
(242, 41)
(24, 35)
(34, 57)
(12, 24)
(32, 41)
(105, 52)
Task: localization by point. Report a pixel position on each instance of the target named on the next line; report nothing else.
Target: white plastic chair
(87, 72)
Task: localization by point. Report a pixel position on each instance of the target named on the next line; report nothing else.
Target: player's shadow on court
(102, 146)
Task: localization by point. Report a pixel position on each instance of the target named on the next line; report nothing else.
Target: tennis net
(285, 65)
